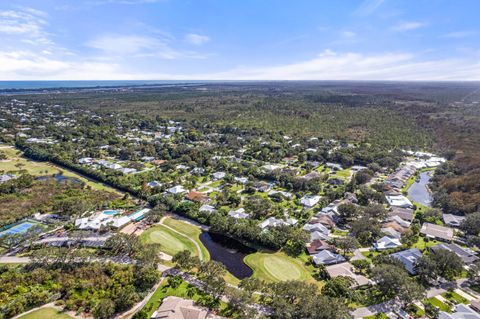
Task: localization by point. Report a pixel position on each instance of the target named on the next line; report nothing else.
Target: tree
(339, 287)
(346, 244)
(365, 230)
(185, 261)
(348, 212)
(126, 298)
(394, 282)
(376, 211)
(211, 273)
(441, 263)
(471, 224)
(296, 239)
(104, 309)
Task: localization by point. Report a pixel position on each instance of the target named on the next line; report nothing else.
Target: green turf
(190, 230)
(453, 296)
(437, 303)
(170, 242)
(50, 313)
(276, 267)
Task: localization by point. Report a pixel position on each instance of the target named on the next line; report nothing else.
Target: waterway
(419, 191)
(229, 252)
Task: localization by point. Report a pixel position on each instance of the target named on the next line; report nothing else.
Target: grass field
(276, 267)
(47, 312)
(190, 230)
(170, 242)
(16, 162)
(440, 305)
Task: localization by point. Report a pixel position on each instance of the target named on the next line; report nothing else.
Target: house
(176, 190)
(6, 177)
(404, 213)
(238, 214)
(408, 258)
(126, 170)
(181, 167)
(275, 222)
(85, 160)
(153, 184)
(262, 187)
(241, 180)
(391, 232)
(270, 167)
(219, 175)
(334, 166)
(467, 255)
(317, 235)
(324, 219)
(316, 227)
(461, 312)
(437, 231)
(453, 220)
(319, 245)
(399, 201)
(326, 257)
(283, 193)
(207, 209)
(311, 175)
(346, 270)
(398, 220)
(387, 243)
(310, 200)
(179, 308)
(197, 197)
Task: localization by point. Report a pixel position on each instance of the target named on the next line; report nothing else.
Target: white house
(238, 214)
(310, 200)
(207, 209)
(176, 190)
(219, 175)
(399, 201)
(387, 243)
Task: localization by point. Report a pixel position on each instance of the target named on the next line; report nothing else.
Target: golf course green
(276, 267)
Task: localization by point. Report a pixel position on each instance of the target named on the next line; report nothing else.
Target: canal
(419, 191)
(229, 252)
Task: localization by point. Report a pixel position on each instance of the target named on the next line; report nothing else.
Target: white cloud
(138, 46)
(27, 23)
(368, 7)
(460, 34)
(348, 34)
(407, 26)
(196, 39)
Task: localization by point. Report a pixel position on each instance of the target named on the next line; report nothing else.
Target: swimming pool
(111, 212)
(18, 229)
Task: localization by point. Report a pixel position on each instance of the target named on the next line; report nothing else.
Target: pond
(419, 191)
(60, 178)
(229, 252)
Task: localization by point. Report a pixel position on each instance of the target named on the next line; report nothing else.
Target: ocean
(35, 85)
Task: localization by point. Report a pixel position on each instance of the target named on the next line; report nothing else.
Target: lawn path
(200, 253)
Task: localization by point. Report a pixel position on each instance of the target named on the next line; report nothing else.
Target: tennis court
(18, 229)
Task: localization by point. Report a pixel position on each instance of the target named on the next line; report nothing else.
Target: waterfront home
(275, 222)
(399, 201)
(387, 243)
(153, 184)
(238, 214)
(408, 258)
(404, 213)
(207, 209)
(319, 245)
(453, 220)
(437, 232)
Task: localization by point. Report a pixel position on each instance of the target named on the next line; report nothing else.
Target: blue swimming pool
(18, 229)
(111, 212)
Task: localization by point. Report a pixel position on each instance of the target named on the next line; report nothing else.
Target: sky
(406, 40)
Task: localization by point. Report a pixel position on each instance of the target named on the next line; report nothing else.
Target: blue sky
(240, 39)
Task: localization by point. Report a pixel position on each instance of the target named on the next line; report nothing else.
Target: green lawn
(437, 303)
(16, 161)
(276, 267)
(170, 242)
(380, 316)
(43, 313)
(421, 244)
(190, 230)
(342, 174)
(454, 297)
